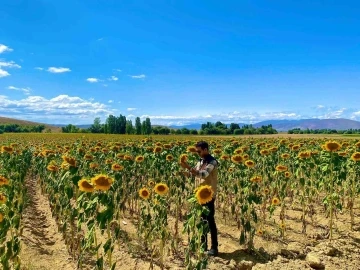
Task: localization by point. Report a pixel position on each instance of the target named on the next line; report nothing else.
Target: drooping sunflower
(161, 188)
(355, 156)
(144, 193)
(250, 163)
(85, 186)
(332, 146)
(237, 159)
(256, 179)
(281, 168)
(52, 168)
(70, 160)
(204, 194)
(2, 198)
(275, 201)
(102, 182)
(139, 159)
(3, 181)
(117, 167)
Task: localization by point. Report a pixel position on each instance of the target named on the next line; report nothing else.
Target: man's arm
(208, 169)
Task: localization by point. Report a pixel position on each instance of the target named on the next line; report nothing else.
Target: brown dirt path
(43, 247)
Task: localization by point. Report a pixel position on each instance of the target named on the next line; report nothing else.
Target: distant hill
(6, 120)
(285, 125)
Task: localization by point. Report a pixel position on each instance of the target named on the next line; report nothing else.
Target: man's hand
(185, 165)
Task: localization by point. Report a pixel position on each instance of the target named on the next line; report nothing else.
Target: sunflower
(3, 181)
(108, 161)
(94, 165)
(144, 193)
(1, 217)
(128, 157)
(169, 157)
(117, 167)
(88, 157)
(332, 146)
(161, 189)
(259, 232)
(102, 182)
(250, 163)
(70, 160)
(224, 157)
(273, 149)
(2, 198)
(283, 225)
(264, 152)
(285, 156)
(65, 166)
(275, 201)
(237, 159)
(183, 158)
(120, 155)
(52, 168)
(167, 146)
(7, 149)
(85, 186)
(281, 168)
(342, 154)
(256, 179)
(204, 194)
(191, 149)
(304, 154)
(217, 151)
(287, 174)
(157, 149)
(139, 159)
(238, 151)
(266, 191)
(357, 144)
(355, 156)
(295, 147)
(231, 169)
(151, 183)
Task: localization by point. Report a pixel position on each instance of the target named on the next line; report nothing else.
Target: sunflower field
(94, 182)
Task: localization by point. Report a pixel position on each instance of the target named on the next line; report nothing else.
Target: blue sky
(179, 61)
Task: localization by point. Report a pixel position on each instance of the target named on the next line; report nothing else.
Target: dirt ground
(43, 247)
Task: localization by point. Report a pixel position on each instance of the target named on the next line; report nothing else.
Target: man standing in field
(205, 172)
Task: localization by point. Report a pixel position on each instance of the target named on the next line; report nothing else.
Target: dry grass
(5, 120)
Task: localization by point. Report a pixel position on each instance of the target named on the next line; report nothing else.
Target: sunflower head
(1, 217)
(85, 186)
(224, 157)
(151, 183)
(357, 144)
(139, 159)
(52, 168)
(231, 169)
(102, 182)
(342, 154)
(256, 179)
(283, 226)
(275, 201)
(259, 232)
(144, 193)
(3, 181)
(295, 147)
(266, 191)
(332, 146)
(2, 198)
(117, 167)
(204, 194)
(285, 156)
(355, 156)
(281, 168)
(304, 154)
(249, 163)
(94, 165)
(287, 174)
(264, 152)
(237, 159)
(7, 149)
(161, 189)
(169, 157)
(238, 151)
(88, 157)
(157, 149)
(191, 149)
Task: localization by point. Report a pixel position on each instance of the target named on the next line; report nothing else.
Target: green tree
(138, 128)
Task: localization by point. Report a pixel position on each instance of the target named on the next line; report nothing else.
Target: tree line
(323, 131)
(16, 128)
(220, 128)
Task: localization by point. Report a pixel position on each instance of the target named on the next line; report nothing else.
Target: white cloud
(100, 39)
(59, 109)
(118, 70)
(10, 64)
(25, 90)
(39, 68)
(131, 109)
(58, 69)
(4, 73)
(92, 80)
(110, 101)
(142, 76)
(105, 85)
(4, 48)
(320, 106)
(113, 78)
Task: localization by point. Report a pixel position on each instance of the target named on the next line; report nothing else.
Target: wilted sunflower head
(204, 194)
(249, 163)
(3, 181)
(161, 188)
(85, 186)
(281, 168)
(275, 201)
(355, 156)
(144, 193)
(237, 159)
(332, 146)
(102, 182)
